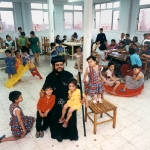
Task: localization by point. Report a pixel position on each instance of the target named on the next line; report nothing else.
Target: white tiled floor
(132, 130)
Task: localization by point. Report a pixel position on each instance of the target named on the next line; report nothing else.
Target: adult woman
(34, 43)
(126, 69)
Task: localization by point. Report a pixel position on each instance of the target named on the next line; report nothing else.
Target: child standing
(20, 124)
(9, 43)
(18, 59)
(44, 107)
(10, 64)
(23, 42)
(135, 81)
(111, 80)
(73, 103)
(94, 84)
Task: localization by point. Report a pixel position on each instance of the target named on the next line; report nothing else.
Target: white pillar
(51, 20)
(88, 5)
(23, 17)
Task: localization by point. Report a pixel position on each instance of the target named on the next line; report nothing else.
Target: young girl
(73, 102)
(94, 84)
(44, 107)
(79, 57)
(111, 80)
(9, 43)
(18, 59)
(10, 64)
(20, 124)
(135, 81)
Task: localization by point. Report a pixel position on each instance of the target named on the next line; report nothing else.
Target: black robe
(60, 85)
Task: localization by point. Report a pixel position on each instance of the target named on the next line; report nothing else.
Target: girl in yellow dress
(73, 103)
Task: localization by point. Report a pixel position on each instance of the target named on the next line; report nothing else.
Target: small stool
(101, 108)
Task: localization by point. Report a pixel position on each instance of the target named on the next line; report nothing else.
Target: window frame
(145, 6)
(72, 11)
(12, 10)
(113, 9)
(43, 10)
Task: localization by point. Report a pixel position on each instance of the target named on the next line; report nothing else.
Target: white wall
(127, 23)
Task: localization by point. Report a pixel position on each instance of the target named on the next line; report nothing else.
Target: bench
(101, 108)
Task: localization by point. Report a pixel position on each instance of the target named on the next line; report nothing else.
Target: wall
(127, 22)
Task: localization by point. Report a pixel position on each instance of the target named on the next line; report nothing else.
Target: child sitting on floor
(111, 80)
(135, 81)
(73, 103)
(27, 59)
(44, 107)
(18, 59)
(10, 64)
(20, 124)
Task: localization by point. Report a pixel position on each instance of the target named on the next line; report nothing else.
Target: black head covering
(57, 59)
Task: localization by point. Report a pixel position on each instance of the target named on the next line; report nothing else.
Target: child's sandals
(99, 100)
(61, 120)
(94, 101)
(65, 124)
(3, 136)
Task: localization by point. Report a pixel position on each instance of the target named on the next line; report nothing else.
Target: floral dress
(10, 65)
(94, 85)
(15, 127)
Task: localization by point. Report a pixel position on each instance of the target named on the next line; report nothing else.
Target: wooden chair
(145, 68)
(101, 108)
(2, 43)
(17, 44)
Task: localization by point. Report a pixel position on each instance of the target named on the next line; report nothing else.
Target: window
(73, 17)
(6, 17)
(107, 15)
(144, 2)
(6, 5)
(40, 20)
(143, 18)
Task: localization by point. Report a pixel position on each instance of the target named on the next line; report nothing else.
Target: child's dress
(74, 101)
(79, 61)
(134, 84)
(108, 81)
(10, 65)
(94, 85)
(15, 127)
(9, 44)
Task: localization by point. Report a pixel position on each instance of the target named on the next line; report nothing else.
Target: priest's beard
(58, 72)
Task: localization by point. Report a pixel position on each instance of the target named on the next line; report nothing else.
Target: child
(20, 124)
(23, 42)
(10, 64)
(121, 47)
(122, 37)
(26, 59)
(44, 107)
(94, 84)
(106, 43)
(73, 103)
(9, 43)
(127, 40)
(57, 40)
(111, 80)
(53, 51)
(113, 44)
(127, 47)
(18, 59)
(135, 81)
(64, 38)
(19, 32)
(79, 57)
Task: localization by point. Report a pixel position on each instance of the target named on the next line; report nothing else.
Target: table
(72, 44)
(101, 108)
(118, 56)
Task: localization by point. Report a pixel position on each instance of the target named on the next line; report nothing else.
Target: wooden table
(118, 56)
(101, 108)
(72, 44)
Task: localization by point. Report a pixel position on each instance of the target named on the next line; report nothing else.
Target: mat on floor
(127, 93)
